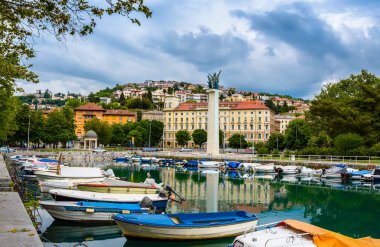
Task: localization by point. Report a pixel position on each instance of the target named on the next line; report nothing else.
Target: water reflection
(348, 212)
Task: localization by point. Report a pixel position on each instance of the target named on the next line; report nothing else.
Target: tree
(182, 137)
(21, 21)
(137, 136)
(22, 120)
(47, 94)
(58, 129)
(237, 141)
(221, 138)
(118, 135)
(199, 137)
(276, 141)
(37, 123)
(347, 142)
(73, 103)
(269, 103)
(122, 99)
(297, 134)
(350, 105)
(93, 98)
(102, 129)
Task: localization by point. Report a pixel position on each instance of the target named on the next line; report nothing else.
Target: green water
(350, 212)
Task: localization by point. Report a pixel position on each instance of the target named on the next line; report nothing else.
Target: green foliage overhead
(199, 137)
(59, 128)
(276, 141)
(182, 137)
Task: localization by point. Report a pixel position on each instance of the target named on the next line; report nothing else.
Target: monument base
(213, 122)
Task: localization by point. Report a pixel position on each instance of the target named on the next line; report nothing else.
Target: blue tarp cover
(123, 206)
(361, 172)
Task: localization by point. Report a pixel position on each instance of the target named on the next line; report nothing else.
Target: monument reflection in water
(348, 212)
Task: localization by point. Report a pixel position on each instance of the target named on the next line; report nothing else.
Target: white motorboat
(269, 168)
(334, 172)
(293, 233)
(48, 185)
(264, 177)
(209, 164)
(74, 174)
(90, 211)
(248, 166)
(310, 180)
(287, 170)
(306, 172)
(77, 195)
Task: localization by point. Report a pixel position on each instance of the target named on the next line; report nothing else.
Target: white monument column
(213, 122)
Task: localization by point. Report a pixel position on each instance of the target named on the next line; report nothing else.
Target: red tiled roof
(241, 105)
(90, 107)
(119, 112)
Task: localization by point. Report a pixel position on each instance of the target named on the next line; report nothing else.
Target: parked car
(185, 150)
(7, 150)
(99, 150)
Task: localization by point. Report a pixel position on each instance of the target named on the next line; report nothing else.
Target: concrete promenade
(16, 227)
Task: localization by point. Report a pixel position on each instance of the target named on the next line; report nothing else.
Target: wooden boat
(292, 233)
(83, 211)
(185, 226)
(74, 174)
(77, 195)
(119, 187)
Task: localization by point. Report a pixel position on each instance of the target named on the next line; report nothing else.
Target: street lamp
(150, 130)
(27, 147)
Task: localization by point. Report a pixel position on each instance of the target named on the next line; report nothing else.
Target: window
(239, 112)
(259, 126)
(238, 119)
(199, 126)
(245, 113)
(245, 126)
(225, 119)
(181, 113)
(175, 126)
(251, 136)
(266, 136)
(169, 126)
(266, 119)
(232, 119)
(259, 119)
(232, 126)
(251, 126)
(192, 126)
(181, 126)
(238, 126)
(225, 127)
(176, 113)
(259, 136)
(266, 126)
(181, 120)
(245, 119)
(259, 112)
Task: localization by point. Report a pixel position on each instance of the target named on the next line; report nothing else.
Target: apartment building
(251, 118)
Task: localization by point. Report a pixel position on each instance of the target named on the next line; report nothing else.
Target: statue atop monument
(213, 80)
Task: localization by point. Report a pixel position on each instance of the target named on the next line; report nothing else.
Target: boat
(334, 172)
(183, 226)
(248, 166)
(374, 177)
(268, 168)
(287, 170)
(120, 187)
(76, 195)
(48, 185)
(310, 180)
(232, 165)
(192, 163)
(355, 175)
(289, 179)
(306, 172)
(136, 158)
(209, 164)
(293, 233)
(83, 211)
(74, 174)
(120, 159)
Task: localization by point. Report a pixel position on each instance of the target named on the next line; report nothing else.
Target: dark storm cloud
(205, 49)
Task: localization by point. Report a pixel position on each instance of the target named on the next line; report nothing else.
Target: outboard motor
(146, 202)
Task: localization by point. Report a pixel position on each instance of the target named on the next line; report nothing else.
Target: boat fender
(125, 211)
(90, 210)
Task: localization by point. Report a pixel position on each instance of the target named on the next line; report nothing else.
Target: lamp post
(27, 145)
(150, 130)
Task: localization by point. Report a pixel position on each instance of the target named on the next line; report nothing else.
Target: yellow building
(90, 110)
(153, 115)
(250, 118)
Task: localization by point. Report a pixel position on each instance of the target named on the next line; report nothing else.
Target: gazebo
(92, 139)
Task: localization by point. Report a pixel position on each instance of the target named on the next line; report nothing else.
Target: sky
(278, 46)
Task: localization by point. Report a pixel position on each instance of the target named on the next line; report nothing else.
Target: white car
(99, 150)
(185, 150)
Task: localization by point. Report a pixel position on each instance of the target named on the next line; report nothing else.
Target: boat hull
(116, 189)
(130, 230)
